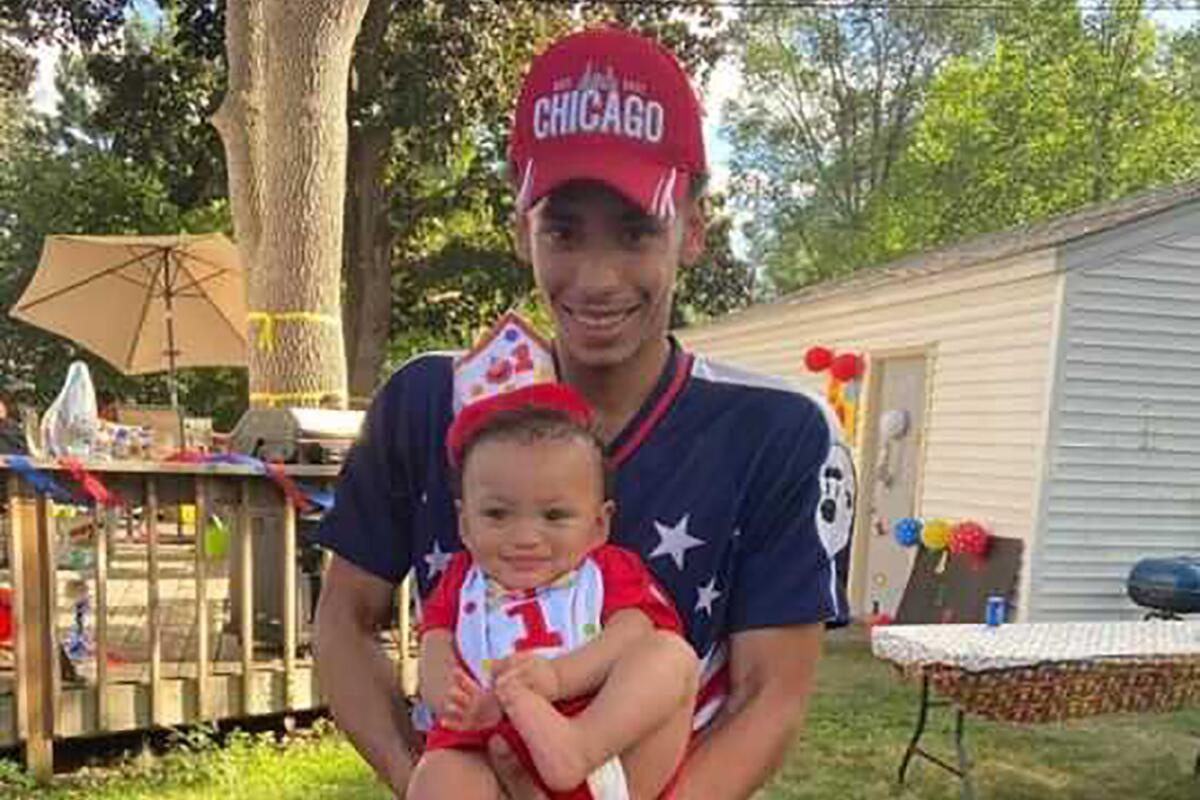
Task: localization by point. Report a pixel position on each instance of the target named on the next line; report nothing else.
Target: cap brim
(656, 189)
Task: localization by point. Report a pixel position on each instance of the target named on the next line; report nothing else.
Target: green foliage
(1065, 110)
(82, 22)
(829, 97)
(720, 283)
(153, 102)
(991, 120)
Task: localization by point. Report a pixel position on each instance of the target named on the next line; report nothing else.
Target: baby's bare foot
(554, 741)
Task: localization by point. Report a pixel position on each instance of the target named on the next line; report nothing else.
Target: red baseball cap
(610, 106)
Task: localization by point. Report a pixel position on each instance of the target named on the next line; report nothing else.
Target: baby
(540, 632)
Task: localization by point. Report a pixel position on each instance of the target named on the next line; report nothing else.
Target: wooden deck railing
(170, 665)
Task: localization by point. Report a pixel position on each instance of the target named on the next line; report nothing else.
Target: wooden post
(204, 706)
(289, 604)
(246, 597)
(102, 518)
(153, 600)
(34, 634)
(46, 519)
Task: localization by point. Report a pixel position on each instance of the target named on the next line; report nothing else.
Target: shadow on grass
(863, 715)
(861, 718)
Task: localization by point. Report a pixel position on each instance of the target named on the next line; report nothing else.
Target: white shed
(1052, 378)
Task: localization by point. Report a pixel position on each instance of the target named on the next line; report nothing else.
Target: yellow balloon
(936, 534)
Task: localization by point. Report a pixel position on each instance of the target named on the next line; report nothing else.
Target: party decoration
(818, 359)
(216, 538)
(970, 538)
(39, 481)
(6, 615)
(842, 385)
(935, 534)
(908, 531)
(301, 496)
(510, 356)
(96, 491)
(846, 367)
(291, 491)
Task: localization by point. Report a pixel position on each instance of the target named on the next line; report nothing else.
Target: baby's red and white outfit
(491, 623)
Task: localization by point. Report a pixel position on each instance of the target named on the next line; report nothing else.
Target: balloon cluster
(936, 534)
(965, 537)
(907, 531)
(842, 387)
(970, 538)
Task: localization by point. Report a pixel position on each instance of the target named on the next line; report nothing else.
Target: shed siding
(989, 331)
(1124, 469)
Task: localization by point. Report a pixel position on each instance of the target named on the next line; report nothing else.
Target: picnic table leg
(922, 716)
(964, 761)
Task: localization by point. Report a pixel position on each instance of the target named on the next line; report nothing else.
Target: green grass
(858, 726)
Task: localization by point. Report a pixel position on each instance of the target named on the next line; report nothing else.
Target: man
(734, 490)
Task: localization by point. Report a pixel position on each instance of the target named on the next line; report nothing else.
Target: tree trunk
(367, 271)
(284, 128)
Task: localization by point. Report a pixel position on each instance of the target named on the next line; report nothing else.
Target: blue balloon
(850, 391)
(908, 531)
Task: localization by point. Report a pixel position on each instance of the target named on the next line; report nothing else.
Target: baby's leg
(646, 690)
(448, 773)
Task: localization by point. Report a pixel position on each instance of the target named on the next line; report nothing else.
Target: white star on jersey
(437, 560)
(673, 541)
(706, 595)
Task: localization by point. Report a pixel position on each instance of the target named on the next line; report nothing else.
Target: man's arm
(356, 676)
(771, 671)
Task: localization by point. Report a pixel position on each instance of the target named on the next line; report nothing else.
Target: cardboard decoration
(958, 594)
(510, 356)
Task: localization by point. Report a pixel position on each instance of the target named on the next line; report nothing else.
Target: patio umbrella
(142, 303)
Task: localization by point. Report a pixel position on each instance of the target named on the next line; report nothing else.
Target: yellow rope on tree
(274, 398)
(267, 319)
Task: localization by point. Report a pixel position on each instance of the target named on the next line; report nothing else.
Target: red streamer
(291, 491)
(90, 484)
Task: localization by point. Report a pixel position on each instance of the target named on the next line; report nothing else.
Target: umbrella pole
(173, 383)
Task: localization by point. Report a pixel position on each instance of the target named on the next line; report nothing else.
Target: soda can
(994, 612)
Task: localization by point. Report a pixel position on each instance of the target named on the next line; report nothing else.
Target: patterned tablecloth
(1051, 671)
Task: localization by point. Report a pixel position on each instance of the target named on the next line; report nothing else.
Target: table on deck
(1041, 672)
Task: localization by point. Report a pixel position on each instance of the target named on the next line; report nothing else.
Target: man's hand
(534, 672)
(516, 782)
(468, 707)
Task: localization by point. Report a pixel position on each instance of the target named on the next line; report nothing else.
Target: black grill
(1167, 586)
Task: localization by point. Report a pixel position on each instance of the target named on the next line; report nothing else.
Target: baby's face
(532, 510)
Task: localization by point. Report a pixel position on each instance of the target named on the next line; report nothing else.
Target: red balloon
(970, 538)
(818, 359)
(846, 367)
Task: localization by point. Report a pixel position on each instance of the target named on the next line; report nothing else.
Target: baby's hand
(535, 673)
(468, 707)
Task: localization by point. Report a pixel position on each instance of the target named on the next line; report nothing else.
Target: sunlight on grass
(860, 721)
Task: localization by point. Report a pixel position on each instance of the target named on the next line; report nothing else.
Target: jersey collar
(668, 387)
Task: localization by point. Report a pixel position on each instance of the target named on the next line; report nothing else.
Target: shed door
(897, 412)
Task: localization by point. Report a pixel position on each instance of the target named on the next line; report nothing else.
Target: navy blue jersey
(735, 490)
